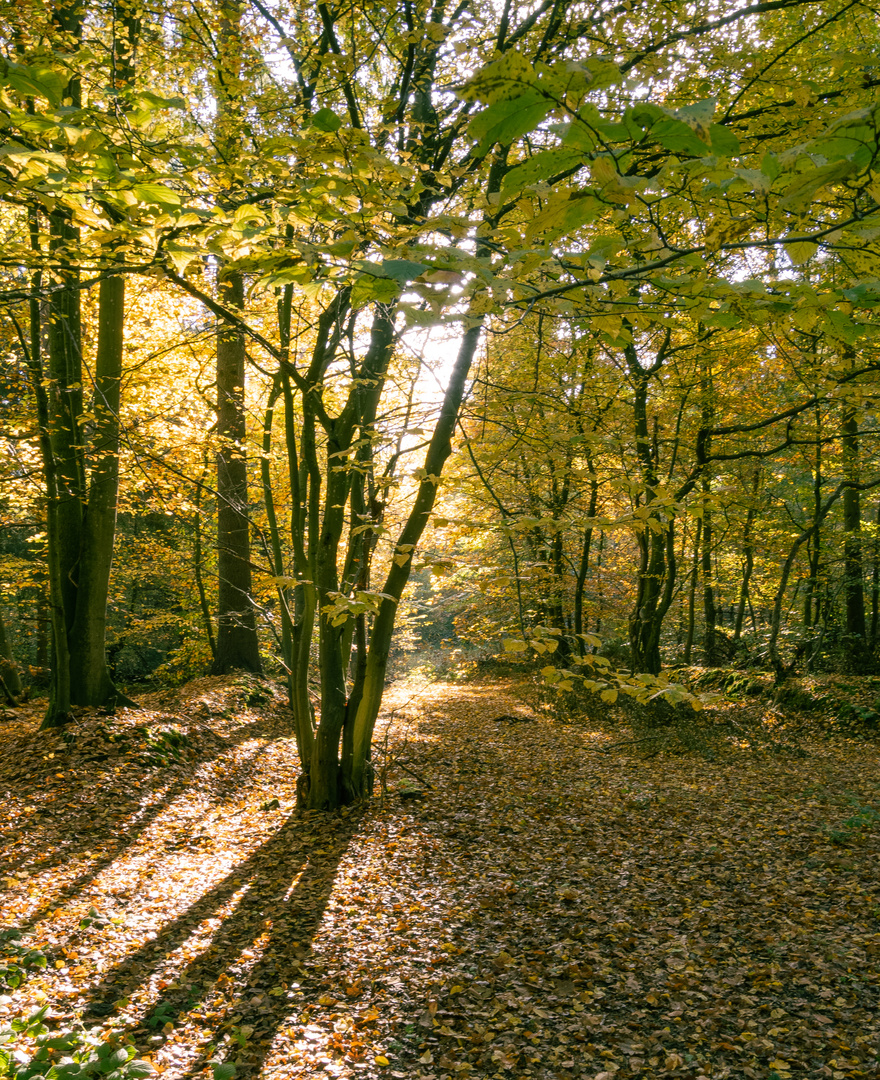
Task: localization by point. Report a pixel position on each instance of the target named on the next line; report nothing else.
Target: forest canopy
(545, 329)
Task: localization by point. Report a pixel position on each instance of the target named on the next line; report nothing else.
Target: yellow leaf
(514, 645)
(801, 250)
(380, 1059)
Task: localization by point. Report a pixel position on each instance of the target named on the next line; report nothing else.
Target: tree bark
(692, 593)
(710, 642)
(90, 680)
(237, 644)
(748, 554)
(10, 679)
(858, 658)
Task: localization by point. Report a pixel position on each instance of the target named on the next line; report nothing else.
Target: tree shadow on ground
(117, 809)
(263, 946)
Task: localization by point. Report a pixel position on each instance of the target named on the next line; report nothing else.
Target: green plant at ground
(161, 1015)
(66, 1055)
(859, 718)
(17, 959)
(864, 818)
(164, 744)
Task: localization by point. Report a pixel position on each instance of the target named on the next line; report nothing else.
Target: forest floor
(530, 899)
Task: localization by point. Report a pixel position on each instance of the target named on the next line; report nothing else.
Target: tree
(406, 168)
(237, 644)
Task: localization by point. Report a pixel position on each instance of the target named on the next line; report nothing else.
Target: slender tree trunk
(600, 592)
(813, 598)
(584, 565)
(875, 583)
(692, 593)
(710, 642)
(81, 511)
(854, 589)
(710, 637)
(90, 679)
(10, 679)
(657, 563)
(198, 559)
(645, 620)
(748, 550)
(237, 643)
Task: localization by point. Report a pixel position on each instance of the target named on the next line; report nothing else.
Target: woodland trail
(542, 910)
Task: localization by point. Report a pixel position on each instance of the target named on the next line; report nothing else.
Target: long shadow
(128, 819)
(288, 881)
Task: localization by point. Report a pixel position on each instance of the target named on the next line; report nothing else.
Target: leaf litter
(510, 905)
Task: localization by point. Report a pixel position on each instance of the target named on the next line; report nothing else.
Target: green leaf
(699, 114)
(801, 251)
(147, 99)
(770, 166)
(505, 121)
(368, 288)
(224, 1071)
(646, 115)
(564, 214)
(500, 79)
(156, 195)
(757, 180)
(540, 167)
(723, 140)
(678, 137)
(801, 191)
(402, 270)
(326, 120)
(37, 81)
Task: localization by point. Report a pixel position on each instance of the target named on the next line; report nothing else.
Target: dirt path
(544, 910)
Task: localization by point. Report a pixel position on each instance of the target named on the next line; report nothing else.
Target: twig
(418, 776)
(625, 742)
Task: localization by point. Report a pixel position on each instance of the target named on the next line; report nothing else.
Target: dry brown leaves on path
(539, 910)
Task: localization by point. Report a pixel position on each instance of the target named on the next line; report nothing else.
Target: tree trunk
(90, 682)
(81, 510)
(748, 551)
(237, 643)
(710, 642)
(813, 598)
(692, 594)
(657, 564)
(875, 583)
(10, 680)
(854, 589)
(584, 565)
(198, 558)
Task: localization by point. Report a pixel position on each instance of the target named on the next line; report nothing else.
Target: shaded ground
(542, 909)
